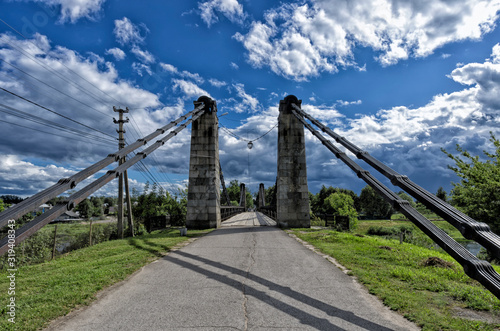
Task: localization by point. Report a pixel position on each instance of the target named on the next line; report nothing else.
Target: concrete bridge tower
(292, 191)
(203, 207)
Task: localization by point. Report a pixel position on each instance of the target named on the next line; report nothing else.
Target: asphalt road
(238, 278)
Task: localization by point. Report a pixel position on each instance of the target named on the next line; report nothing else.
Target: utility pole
(121, 144)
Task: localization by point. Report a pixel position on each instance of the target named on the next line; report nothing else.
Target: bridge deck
(238, 278)
(249, 219)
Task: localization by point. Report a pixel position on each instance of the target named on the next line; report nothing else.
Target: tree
(271, 196)
(373, 205)
(2, 206)
(478, 192)
(234, 192)
(343, 205)
(86, 208)
(441, 194)
(98, 206)
(11, 199)
(317, 201)
(405, 196)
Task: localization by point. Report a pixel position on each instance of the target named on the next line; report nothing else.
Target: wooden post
(54, 246)
(90, 234)
(129, 206)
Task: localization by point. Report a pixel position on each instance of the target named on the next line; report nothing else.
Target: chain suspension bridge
(205, 210)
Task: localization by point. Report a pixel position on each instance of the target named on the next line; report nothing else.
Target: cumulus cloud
(116, 52)
(216, 83)
(301, 40)
(73, 10)
(142, 55)
(189, 89)
(231, 9)
(81, 87)
(182, 74)
(245, 103)
(141, 69)
(127, 32)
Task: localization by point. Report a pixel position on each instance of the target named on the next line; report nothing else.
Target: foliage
(2, 205)
(405, 196)
(86, 208)
(234, 192)
(441, 194)
(317, 201)
(11, 199)
(343, 205)
(373, 205)
(478, 192)
(156, 202)
(271, 196)
(425, 295)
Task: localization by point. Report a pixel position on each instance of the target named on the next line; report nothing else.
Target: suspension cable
(65, 184)
(246, 139)
(475, 268)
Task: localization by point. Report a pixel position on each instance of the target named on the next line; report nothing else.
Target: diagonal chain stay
(30, 228)
(65, 184)
(475, 268)
(470, 228)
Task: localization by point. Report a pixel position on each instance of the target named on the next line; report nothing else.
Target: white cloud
(299, 41)
(143, 56)
(168, 67)
(127, 32)
(17, 175)
(234, 66)
(73, 10)
(116, 52)
(216, 83)
(141, 68)
(248, 103)
(189, 89)
(344, 103)
(182, 74)
(231, 9)
(87, 94)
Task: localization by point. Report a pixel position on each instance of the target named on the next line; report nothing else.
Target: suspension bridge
(205, 210)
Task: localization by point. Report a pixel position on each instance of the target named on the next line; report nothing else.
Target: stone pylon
(292, 191)
(203, 207)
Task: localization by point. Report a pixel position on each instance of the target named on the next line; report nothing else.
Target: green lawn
(48, 290)
(428, 296)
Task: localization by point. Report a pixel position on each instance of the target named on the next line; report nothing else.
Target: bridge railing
(228, 211)
(475, 268)
(269, 211)
(68, 183)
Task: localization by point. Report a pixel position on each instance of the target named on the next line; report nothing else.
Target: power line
(51, 133)
(54, 112)
(50, 69)
(33, 118)
(55, 89)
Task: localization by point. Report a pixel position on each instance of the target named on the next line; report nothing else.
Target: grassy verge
(432, 297)
(46, 291)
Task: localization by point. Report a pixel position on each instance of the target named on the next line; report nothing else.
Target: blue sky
(401, 79)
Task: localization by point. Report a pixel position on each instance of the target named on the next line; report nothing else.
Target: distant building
(67, 217)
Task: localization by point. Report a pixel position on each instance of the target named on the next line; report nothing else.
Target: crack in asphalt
(245, 298)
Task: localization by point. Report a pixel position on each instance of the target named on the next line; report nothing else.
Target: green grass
(424, 295)
(52, 289)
